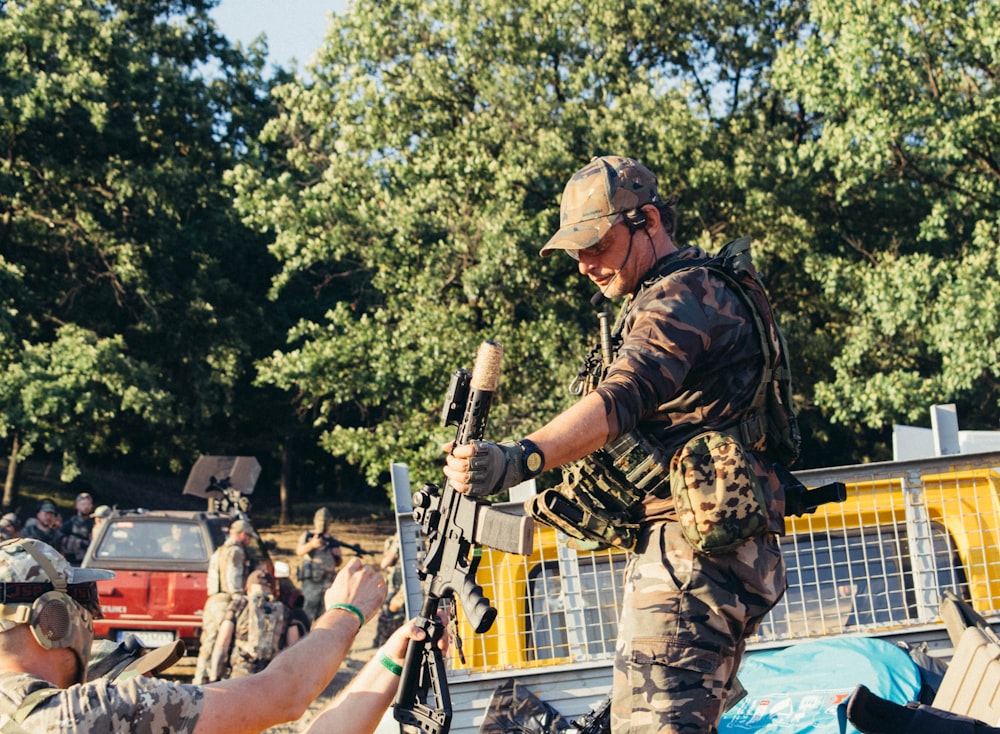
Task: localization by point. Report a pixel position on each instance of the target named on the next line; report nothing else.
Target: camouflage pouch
(719, 500)
(595, 505)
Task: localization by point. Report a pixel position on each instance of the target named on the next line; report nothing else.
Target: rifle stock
(454, 526)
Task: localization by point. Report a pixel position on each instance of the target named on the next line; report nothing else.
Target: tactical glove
(494, 467)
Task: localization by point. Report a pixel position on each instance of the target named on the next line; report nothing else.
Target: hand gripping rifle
(454, 526)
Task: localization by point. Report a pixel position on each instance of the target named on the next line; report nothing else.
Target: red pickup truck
(160, 560)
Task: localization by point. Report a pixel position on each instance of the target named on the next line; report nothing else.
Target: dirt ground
(370, 535)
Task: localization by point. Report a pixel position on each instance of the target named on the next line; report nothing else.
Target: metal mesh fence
(876, 563)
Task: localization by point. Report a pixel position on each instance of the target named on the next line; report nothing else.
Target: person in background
(43, 670)
(319, 558)
(102, 513)
(9, 527)
(227, 574)
(173, 545)
(43, 525)
(256, 627)
(291, 595)
(76, 532)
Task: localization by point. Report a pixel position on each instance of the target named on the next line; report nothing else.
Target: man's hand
(395, 646)
(480, 468)
(358, 585)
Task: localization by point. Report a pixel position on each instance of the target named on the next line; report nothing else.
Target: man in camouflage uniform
(227, 574)
(319, 558)
(46, 631)
(255, 629)
(9, 526)
(44, 525)
(688, 361)
(78, 530)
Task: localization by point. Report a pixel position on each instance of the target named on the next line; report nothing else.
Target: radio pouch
(719, 500)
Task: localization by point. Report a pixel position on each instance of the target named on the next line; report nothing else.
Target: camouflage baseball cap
(23, 578)
(596, 197)
(242, 526)
(18, 566)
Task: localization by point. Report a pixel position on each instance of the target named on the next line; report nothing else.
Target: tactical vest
(598, 502)
(260, 632)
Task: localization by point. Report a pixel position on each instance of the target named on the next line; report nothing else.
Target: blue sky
(294, 28)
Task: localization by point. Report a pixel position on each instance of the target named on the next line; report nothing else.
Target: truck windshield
(152, 539)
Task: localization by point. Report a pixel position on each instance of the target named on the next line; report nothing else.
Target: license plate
(149, 638)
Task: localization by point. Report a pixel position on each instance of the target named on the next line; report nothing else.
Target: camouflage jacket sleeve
(689, 358)
(142, 705)
(232, 568)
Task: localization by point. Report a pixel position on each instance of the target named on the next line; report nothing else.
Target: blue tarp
(804, 688)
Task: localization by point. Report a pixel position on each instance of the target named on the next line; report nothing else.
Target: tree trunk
(285, 490)
(12, 484)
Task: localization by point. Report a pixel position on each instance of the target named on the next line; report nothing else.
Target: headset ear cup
(55, 620)
(635, 219)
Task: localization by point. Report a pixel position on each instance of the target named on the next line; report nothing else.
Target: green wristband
(349, 608)
(389, 664)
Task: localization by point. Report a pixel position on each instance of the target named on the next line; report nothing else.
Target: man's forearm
(359, 708)
(576, 432)
(293, 680)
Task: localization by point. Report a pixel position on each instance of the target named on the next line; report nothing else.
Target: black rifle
(329, 542)
(454, 525)
(800, 500)
(597, 721)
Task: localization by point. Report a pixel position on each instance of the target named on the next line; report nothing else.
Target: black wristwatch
(532, 458)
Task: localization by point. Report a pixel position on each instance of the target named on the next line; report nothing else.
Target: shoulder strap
(733, 265)
(32, 701)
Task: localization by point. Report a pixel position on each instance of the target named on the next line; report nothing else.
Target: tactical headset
(59, 615)
(635, 219)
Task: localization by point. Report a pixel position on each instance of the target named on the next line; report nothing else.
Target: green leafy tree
(416, 174)
(65, 397)
(117, 120)
(899, 109)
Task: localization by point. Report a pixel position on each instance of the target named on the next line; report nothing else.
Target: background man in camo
(228, 569)
(320, 556)
(46, 630)
(688, 362)
(77, 531)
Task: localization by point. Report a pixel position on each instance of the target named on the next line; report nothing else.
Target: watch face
(533, 461)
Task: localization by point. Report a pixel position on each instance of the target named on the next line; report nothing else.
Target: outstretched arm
(364, 701)
(283, 690)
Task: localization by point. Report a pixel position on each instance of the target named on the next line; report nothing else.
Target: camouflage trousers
(212, 617)
(683, 628)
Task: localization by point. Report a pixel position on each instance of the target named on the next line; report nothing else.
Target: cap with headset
(242, 526)
(608, 190)
(39, 588)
